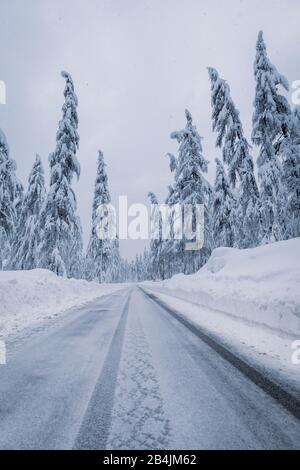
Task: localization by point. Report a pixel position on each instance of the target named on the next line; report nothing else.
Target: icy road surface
(123, 373)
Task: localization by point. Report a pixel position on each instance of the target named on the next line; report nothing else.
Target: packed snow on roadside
(31, 297)
(261, 284)
(247, 299)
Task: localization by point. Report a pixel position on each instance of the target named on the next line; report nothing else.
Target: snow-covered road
(122, 373)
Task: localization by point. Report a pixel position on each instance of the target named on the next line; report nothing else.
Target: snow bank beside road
(29, 297)
(260, 285)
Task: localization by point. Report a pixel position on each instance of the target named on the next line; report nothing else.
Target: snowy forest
(249, 204)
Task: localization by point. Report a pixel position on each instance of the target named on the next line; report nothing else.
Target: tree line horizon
(41, 229)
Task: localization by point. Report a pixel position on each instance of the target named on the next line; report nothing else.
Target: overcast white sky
(136, 65)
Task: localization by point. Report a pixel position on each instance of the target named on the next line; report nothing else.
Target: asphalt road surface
(123, 373)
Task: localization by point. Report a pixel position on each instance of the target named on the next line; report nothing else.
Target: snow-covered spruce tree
(113, 273)
(191, 187)
(170, 264)
(8, 184)
(126, 273)
(56, 263)
(140, 267)
(291, 177)
(19, 198)
(236, 154)
(271, 123)
(223, 222)
(146, 265)
(61, 244)
(27, 237)
(102, 254)
(155, 257)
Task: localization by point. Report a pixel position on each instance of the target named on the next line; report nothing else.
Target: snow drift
(29, 297)
(261, 285)
(248, 301)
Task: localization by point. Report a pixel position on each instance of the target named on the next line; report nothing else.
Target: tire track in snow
(94, 429)
(138, 416)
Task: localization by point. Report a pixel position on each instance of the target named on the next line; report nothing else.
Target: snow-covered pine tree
(223, 222)
(191, 187)
(61, 243)
(8, 184)
(28, 236)
(291, 177)
(271, 121)
(101, 253)
(236, 154)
